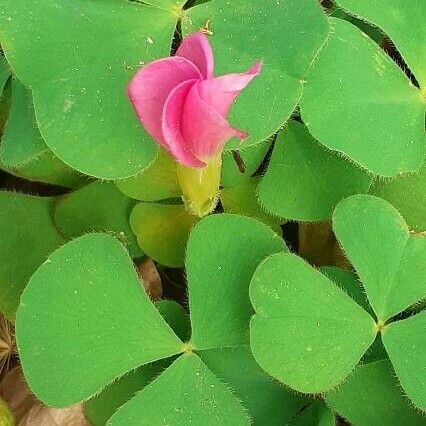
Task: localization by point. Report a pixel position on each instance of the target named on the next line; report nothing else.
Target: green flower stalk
(200, 186)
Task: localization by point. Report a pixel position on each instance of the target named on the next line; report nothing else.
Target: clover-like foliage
(101, 311)
(371, 111)
(310, 334)
(98, 208)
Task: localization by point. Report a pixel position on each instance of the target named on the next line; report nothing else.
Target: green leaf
(91, 290)
(222, 254)
(307, 332)
(371, 396)
(23, 151)
(103, 405)
(406, 345)
(267, 401)
(403, 22)
(157, 182)
(407, 193)
(4, 73)
(369, 111)
(371, 31)
(171, 5)
(5, 101)
(21, 142)
(176, 316)
(390, 262)
(162, 231)
(28, 236)
(242, 199)
(186, 393)
(98, 206)
(304, 181)
(375, 352)
(348, 282)
(80, 100)
(252, 157)
(317, 414)
(294, 28)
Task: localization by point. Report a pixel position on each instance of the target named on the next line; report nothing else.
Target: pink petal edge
(151, 86)
(172, 126)
(203, 129)
(196, 48)
(220, 92)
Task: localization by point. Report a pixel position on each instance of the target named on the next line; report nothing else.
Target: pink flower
(183, 106)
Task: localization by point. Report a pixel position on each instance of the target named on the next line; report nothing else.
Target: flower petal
(152, 84)
(197, 49)
(220, 92)
(172, 126)
(204, 130)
